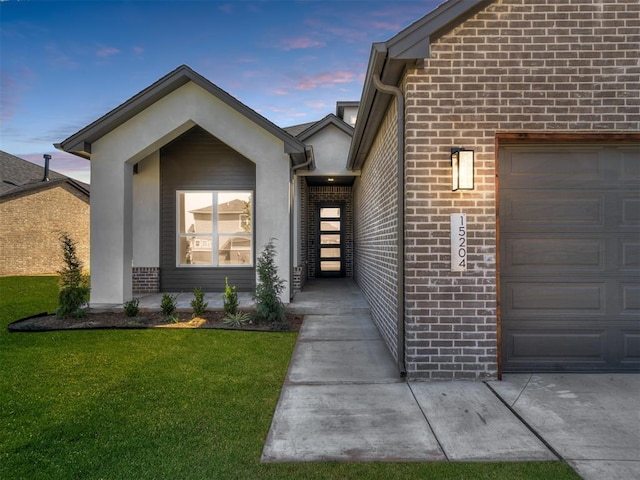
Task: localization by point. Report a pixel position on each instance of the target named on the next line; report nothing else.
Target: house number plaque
(458, 242)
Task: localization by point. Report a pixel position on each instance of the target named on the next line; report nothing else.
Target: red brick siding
(30, 225)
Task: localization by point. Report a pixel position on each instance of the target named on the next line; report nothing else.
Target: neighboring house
(544, 273)
(36, 205)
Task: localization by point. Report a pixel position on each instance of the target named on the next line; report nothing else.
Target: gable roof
(18, 175)
(297, 129)
(80, 142)
(389, 59)
(330, 119)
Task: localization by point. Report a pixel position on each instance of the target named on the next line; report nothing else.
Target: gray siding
(199, 161)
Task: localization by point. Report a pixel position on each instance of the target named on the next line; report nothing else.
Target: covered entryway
(330, 253)
(569, 230)
(328, 228)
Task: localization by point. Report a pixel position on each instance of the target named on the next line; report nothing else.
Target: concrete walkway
(343, 400)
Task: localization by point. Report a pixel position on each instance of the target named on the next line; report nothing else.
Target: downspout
(308, 152)
(400, 346)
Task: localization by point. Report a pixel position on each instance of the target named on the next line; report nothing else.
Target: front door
(330, 253)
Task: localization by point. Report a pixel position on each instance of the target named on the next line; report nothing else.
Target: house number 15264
(458, 242)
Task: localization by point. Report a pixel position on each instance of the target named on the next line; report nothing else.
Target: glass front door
(330, 261)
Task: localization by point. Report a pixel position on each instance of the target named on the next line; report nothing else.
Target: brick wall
(375, 204)
(30, 225)
(300, 271)
(338, 194)
(516, 66)
(146, 279)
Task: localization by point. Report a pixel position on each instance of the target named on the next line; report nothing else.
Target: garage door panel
(570, 257)
(630, 208)
(630, 298)
(629, 254)
(630, 346)
(562, 167)
(630, 170)
(545, 255)
(523, 298)
(533, 210)
(552, 345)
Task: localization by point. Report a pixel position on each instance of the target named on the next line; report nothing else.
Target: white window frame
(214, 235)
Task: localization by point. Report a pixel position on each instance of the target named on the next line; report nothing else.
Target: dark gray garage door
(570, 257)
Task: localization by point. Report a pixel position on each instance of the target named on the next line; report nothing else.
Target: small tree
(74, 284)
(229, 298)
(270, 286)
(198, 304)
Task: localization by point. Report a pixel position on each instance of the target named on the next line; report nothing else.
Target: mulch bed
(113, 320)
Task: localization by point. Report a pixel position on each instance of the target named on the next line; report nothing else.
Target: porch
(318, 296)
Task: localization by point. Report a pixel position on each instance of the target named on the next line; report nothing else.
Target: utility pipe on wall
(400, 347)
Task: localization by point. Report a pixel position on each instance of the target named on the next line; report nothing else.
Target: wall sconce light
(461, 169)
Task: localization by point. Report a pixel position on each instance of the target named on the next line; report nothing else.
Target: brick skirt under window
(146, 279)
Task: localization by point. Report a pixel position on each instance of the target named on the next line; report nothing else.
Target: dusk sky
(65, 64)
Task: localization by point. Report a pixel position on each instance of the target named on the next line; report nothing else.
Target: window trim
(215, 234)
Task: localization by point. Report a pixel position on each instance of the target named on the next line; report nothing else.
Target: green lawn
(161, 404)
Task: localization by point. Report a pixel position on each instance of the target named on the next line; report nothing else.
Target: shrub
(269, 307)
(229, 298)
(132, 307)
(236, 319)
(168, 306)
(198, 304)
(74, 284)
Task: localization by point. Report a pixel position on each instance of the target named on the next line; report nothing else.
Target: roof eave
(80, 142)
(389, 60)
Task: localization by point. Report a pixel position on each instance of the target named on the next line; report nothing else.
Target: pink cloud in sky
(104, 51)
(12, 84)
(394, 27)
(138, 50)
(63, 163)
(279, 91)
(317, 105)
(325, 79)
(300, 43)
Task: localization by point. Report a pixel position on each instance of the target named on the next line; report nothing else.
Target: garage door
(570, 257)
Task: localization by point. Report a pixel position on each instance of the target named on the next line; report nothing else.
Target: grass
(156, 404)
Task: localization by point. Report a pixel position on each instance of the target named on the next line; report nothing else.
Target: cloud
(300, 43)
(63, 163)
(279, 91)
(325, 80)
(394, 27)
(226, 8)
(12, 84)
(138, 50)
(287, 111)
(316, 104)
(104, 51)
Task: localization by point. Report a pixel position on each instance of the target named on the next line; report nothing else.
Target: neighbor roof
(18, 175)
(80, 143)
(389, 59)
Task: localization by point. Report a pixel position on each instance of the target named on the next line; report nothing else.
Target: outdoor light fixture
(461, 169)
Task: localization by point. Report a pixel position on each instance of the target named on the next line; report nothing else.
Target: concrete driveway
(343, 400)
(591, 420)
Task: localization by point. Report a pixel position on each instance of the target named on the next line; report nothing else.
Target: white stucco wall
(146, 212)
(330, 149)
(113, 155)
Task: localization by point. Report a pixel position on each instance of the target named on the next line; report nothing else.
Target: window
(214, 228)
